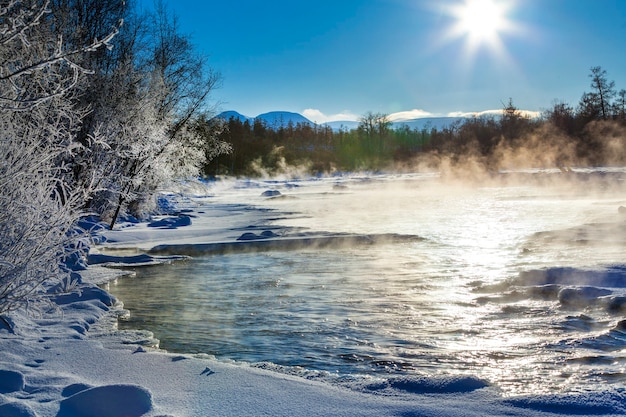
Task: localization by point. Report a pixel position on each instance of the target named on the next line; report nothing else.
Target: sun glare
(480, 22)
(481, 19)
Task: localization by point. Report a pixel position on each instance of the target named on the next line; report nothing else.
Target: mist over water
(518, 281)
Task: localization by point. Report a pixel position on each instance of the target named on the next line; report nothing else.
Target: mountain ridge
(278, 119)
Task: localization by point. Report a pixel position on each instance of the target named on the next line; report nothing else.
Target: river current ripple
(520, 283)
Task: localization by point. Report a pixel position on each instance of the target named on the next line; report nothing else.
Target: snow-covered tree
(97, 126)
(143, 98)
(38, 123)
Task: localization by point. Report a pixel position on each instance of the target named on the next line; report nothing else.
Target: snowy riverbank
(71, 362)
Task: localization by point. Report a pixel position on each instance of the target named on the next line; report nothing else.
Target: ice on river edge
(59, 365)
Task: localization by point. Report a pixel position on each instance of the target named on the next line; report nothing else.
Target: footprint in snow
(108, 401)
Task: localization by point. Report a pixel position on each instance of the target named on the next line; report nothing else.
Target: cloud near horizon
(410, 114)
(526, 113)
(317, 116)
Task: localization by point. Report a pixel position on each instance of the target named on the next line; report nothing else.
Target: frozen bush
(37, 127)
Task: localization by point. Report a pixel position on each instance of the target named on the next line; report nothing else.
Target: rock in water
(271, 193)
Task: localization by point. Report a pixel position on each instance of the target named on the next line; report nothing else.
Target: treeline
(591, 133)
(100, 104)
(259, 149)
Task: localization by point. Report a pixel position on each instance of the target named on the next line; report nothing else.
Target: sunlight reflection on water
(446, 305)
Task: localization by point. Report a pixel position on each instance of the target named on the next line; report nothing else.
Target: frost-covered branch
(38, 125)
(18, 19)
(17, 78)
(88, 127)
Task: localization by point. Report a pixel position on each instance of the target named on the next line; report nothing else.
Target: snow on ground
(71, 362)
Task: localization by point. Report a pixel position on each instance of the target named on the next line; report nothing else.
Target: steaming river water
(521, 285)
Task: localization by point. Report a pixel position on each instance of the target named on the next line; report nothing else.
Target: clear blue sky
(347, 56)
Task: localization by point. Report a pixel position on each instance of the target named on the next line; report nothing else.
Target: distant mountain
(342, 125)
(428, 122)
(232, 114)
(276, 119)
(422, 123)
(273, 119)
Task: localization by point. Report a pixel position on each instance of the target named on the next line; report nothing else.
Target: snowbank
(52, 367)
(72, 362)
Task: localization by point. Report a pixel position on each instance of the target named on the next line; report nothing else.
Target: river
(519, 281)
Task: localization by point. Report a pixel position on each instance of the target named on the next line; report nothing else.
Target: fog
(465, 272)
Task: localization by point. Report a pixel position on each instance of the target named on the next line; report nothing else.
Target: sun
(480, 22)
(481, 19)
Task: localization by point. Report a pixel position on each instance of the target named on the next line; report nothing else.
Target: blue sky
(338, 59)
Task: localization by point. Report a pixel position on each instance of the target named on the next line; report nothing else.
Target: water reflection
(453, 303)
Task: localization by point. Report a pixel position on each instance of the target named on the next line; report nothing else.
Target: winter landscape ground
(503, 298)
(74, 362)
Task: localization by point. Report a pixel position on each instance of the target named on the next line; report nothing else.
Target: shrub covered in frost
(38, 123)
(89, 128)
